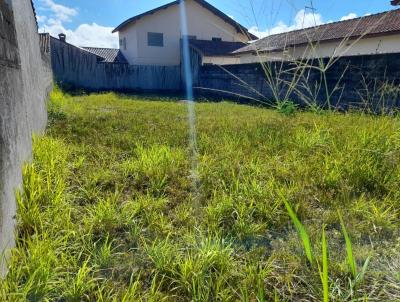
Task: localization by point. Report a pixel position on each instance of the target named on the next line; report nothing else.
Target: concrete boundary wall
(75, 67)
(25, 81)
(352, 81)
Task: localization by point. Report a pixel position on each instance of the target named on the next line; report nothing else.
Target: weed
(349, 249)
(286, 107)
(324, 271)
(300, 230)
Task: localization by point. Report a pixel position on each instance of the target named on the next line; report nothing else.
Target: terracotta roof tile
(372, 25)
(110, 55)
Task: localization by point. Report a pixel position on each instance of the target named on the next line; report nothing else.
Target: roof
(240, 28)
(372, 25)
(215, 48)
(110, 55)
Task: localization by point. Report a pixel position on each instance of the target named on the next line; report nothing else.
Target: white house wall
(201, 23)
(248, 58)
(221, 60)
(131, 51)
(206, 25)
(366, 46)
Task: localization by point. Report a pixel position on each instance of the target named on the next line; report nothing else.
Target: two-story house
(154, 37)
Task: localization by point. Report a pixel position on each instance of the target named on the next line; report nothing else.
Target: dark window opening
(217, 39)
(122, 43)
(155, 39)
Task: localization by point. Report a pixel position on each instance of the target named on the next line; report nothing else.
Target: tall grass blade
(324, 273)
(361, 275)
(349, 248)
(276, 295)
(300, 230)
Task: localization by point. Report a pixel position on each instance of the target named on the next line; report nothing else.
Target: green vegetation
(302, 232)
(324, 273)
(107, 211)
(350, 258)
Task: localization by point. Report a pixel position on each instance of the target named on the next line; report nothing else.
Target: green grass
(349, 249)
(107, 211)
(301, 231)
(324, 272)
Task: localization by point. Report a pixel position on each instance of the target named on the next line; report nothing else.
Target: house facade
(368, 35)
(154, 37)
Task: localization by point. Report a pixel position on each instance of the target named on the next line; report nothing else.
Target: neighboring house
(215, 52)
(107, 55)
(373, 34)
(103, 55)
(154, 37)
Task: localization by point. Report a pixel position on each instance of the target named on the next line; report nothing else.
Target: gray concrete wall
(25, 81)
(76, 68)
(354, 81)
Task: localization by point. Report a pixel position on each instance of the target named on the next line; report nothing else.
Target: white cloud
(93, 35)
(61, 12)
(259, 33)
(349, 16)
(301, 20)
(41, 19)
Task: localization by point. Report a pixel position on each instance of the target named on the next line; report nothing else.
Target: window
(217, 39)
(122, 43)
(155, 39)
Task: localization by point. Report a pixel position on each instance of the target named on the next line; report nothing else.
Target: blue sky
(90, 22)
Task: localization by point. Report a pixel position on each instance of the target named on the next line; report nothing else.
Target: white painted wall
(365, 46)
(131, 43)
(201, 23)
(221, 60)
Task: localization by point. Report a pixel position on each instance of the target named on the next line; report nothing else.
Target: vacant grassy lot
(108, 211)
